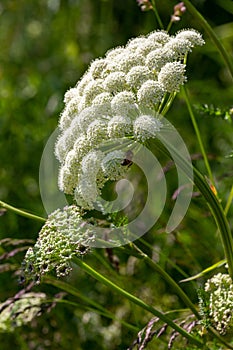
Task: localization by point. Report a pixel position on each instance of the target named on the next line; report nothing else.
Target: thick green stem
(136, 301)
(219, 216)
(95, 306)
(198, 135)
(168, 279)
(229, 200)
(168, 103)
(21, 212)
(193, 11)
(212, 200)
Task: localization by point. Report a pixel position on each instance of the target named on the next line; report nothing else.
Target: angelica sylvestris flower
(171, 76)
(64, 235)
(220, 299)
(150, 93)
(146, 127)
(109, 103)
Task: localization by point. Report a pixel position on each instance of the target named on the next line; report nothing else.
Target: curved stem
(157, 15)
(229, 200)
(136, 301)
(212, 35)
(169, 26)
(212, 200)
(195, 126)
(140, 254)
(21, 212)
(219, 217)
(95, 306)
(168, 103)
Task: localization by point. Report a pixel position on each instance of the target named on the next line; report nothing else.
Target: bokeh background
(45, 47)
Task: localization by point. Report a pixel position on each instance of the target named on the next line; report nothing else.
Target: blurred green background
(45, 47)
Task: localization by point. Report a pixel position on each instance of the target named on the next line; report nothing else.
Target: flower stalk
(99, 277)
(21, 212)
(212, 200)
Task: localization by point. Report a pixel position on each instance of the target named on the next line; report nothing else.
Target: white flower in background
(220, 291)
(109, 102)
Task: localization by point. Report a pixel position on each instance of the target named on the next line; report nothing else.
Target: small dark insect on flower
(128, 159)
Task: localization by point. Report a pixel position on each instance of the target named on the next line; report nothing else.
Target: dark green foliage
(46, 46)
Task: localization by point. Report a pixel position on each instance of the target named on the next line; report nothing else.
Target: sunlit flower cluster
(109, 103)
(220, 291)
(63, 236)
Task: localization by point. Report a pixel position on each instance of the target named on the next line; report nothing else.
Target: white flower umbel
(102, 104)
(119, 126)
(110, 100)
(97, 67)
(91, 163)
(67, 180)
(156, 59)
(220, 291)
(123, 103)
(93, 88)
(88, 190)
(150, 93)
(71, 109)
(179, 47)
(115, 82)
(172, 76)
(137, 76)
(64, 235)
(159, 36)
(83, 120)
(111, 165)
(146, 126)
(97, 131)
(192, 35)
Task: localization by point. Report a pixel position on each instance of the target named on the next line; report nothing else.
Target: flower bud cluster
(64, 235)
(108, 104)
(220, 291)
